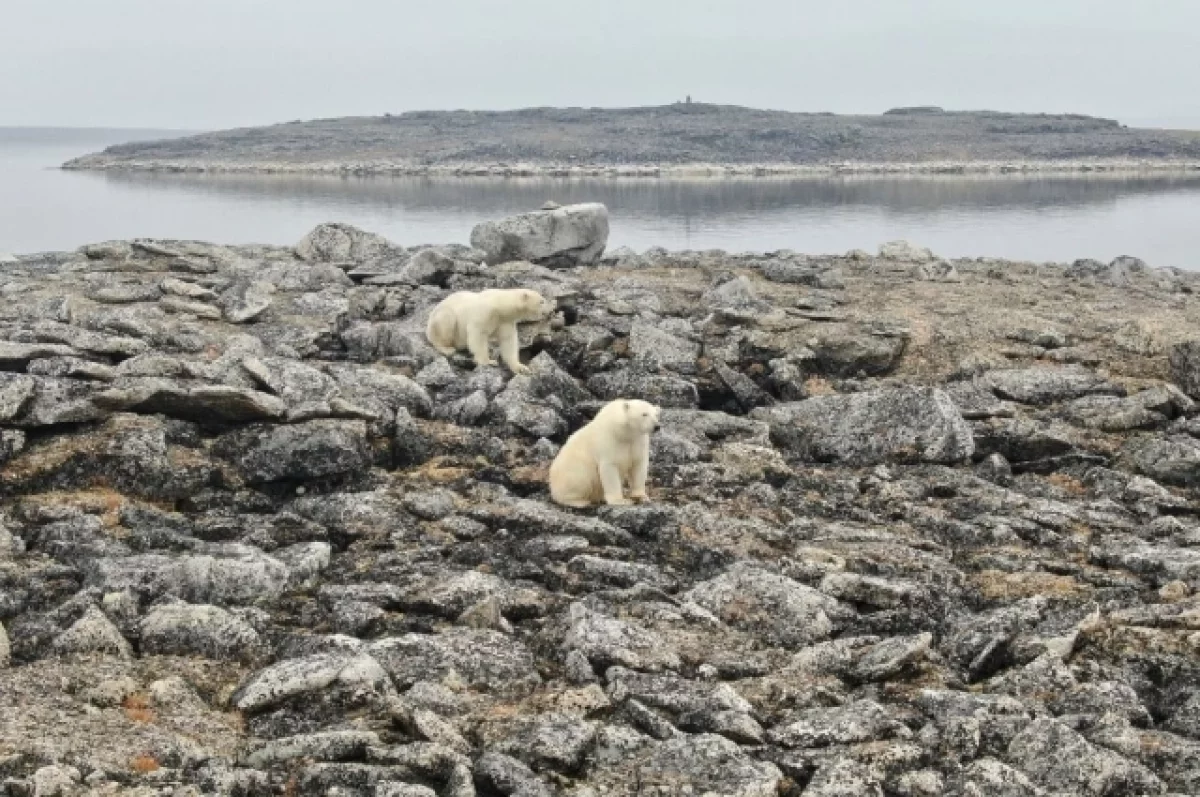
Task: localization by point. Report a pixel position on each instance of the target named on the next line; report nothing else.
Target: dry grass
(998, 585)
(137, 709)
(144, 764)
(1067, 484)
(818, 386)
(100, 501)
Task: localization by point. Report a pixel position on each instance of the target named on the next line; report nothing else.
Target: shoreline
(702, 170)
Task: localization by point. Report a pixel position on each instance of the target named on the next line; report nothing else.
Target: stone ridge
(917, 526)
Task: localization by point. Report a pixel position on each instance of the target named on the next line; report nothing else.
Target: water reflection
(1019, 217)
(680, 197)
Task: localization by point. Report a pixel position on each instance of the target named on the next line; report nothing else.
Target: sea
(1019, 217)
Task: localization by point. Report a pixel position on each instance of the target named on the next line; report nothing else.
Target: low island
(678, 139)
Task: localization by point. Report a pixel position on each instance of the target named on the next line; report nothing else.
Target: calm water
(1156, 218)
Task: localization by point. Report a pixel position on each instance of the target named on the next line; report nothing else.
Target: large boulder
(566, 236)
(1173, 460)
(313, 450)
(908, 424)
(1057, 758)
(339, 243)
(757, 600)
(1185, 366)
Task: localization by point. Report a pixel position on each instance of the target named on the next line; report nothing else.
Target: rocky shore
(917, 526)
(674, 140)
(1121, 166)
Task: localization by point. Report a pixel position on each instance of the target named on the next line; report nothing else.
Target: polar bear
(466, 320)
(613, 448)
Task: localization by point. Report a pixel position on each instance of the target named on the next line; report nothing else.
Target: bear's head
(641, 416)
(535, 307)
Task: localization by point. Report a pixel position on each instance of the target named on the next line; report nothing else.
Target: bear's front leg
(510, 348)
(477, 343)
(610, 480)
(637, 480)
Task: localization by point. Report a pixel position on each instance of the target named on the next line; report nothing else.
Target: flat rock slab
(212, 403)
(571, 235)
(892, 425)
(1045, 385)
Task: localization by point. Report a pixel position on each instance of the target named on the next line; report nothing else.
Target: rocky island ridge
(698, 139)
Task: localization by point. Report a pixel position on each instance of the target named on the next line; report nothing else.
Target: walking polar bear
(612, 449)
(466, 320)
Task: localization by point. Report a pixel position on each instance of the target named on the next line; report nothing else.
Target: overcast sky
(203, 64)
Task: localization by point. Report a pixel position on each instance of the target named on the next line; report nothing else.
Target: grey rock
(988, 777)
(312, 450)
(485, 660)
(338, 243)
(1184, 360)
(1184, 719)
(184, 307)
(72, 367)
(183, 629)
(382, 390)
(815, 274)
(662, 390)
(574, 235)
(1174, 460)
(88, 341)
(890, 658)
(707, 764)
(937, 271)
(326, 746)
(607, 641)
(862, 721)
(655, 349)
(557, 741)
(16, 390)
(236, 575)
(393, 789)
(857, 353)
(56, 401)
(246, 301)
(905, 251)
(208, 403)
(16, 356)
(757, 600)
(1059, 759)
(899, 425)
(286, 679)
(188, 290)
(844, 778)
(92, 633)
(12, 442)
(508, 776)
(1046, 385)
(1102, 697)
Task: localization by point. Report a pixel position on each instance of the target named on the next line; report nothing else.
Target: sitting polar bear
(613, 448)
(466, 320)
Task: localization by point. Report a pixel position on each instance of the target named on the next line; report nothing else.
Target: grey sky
(221, 63)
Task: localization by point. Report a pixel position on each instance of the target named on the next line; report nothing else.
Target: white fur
(466, 320)
(611, 450)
